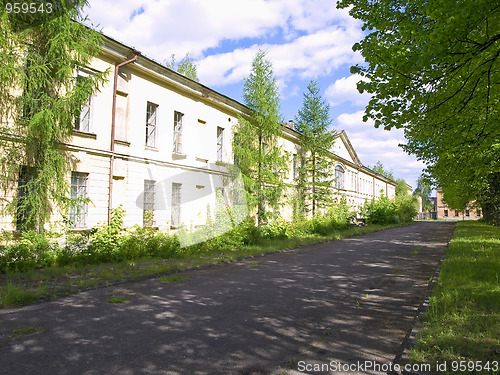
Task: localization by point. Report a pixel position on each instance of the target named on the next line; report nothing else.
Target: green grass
(172, 278)
(25, 331)
(463, 320)
(20, 288)
(118, 300)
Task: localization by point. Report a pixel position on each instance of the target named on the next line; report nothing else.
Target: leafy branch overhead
(433, 68)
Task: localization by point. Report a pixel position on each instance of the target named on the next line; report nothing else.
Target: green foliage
(257, 152)
(315, 182)
(423, 190)
(41, 61)
(463, 319)
(402, 188)
(187, 67)
(433, 68)
(406, 208)
(403, 209)
(379, 168)
(379, 211)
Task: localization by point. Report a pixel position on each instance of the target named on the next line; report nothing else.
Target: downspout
(113, 120)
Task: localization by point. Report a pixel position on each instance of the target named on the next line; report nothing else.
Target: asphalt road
(350, 301)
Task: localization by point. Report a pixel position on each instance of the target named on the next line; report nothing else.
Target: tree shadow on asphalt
(348, 301)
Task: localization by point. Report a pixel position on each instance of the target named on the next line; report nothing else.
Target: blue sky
(305, 39)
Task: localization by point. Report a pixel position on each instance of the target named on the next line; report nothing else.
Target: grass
(25, 331)
(21, 288)
(463, 320)
(172, 278)
(118, 300)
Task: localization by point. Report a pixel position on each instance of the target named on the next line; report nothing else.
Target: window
(78, 210)
(456, 213)
(478, 213)
(148, 203)
(295, 171)
(176, 205)
(220, 143)
(339, 177)
(467, 213)
(178, 132)
(151, 122)
(82, 119)
(445, 213)
(26, 176)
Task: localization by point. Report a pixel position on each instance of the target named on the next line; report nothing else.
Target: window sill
(81, 134)
(149, 148)
(123, 143)
(203, 160)
(177, 156)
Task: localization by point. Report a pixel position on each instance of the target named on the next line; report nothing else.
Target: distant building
(445, 212)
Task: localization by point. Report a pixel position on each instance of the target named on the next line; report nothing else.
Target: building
(155, 142)
(444, 212)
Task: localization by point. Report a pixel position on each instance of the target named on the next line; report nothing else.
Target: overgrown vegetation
(48, 265)
(463, 320)
(41, 62)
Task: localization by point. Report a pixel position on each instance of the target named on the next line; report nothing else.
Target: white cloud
(307, 56)
(345, 90)
(372, 144)
(318, 36)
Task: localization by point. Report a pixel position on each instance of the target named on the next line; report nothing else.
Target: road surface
(330, 306)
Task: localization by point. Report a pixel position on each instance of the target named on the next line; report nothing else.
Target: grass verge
(20, 288)
(462, 325)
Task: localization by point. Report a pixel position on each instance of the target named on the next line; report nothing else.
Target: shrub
(380, 211)
(406, 208)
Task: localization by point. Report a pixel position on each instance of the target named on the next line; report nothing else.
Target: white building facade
(164, 160)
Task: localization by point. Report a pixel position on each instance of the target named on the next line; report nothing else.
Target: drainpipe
(112, 146)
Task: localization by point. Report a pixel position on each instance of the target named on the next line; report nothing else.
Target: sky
(304, 39)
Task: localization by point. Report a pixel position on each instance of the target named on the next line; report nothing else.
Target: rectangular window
(26, 176)
(456, 213)
(176, 205)
(478, 213)
(78, 210)
(220, 143)
(148, 203)
(295, 172)
(82, 118)
(151, 122)
(467, 213)
(178, 132)
(445, 213)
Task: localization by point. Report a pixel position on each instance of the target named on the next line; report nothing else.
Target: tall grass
(463, 320)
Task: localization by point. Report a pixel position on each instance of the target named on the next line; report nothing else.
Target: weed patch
(118, 300)
(16, 333)
(172, 278)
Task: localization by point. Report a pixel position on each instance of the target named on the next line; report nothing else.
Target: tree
(316, 180)
(423, 190)
(186, 67)
(433, 68)
(379, 168)
(39, 100)
(402, 187)
(257, 152)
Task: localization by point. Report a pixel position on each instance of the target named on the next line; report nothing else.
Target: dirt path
(350, 301)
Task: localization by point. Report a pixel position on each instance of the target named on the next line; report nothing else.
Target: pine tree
(39, 99)
(316, 180)
(261, 160)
